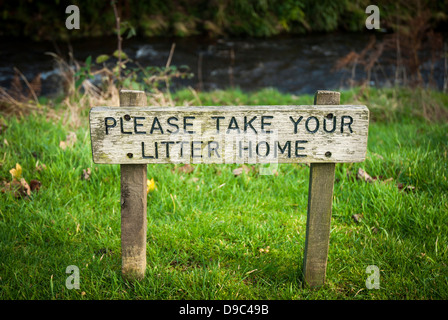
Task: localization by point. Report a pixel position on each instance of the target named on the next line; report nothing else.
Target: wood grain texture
(247, 134)
(320, 200)
(133, 206)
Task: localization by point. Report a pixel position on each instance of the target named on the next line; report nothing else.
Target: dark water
(290, 64)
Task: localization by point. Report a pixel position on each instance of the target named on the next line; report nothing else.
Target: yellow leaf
(16, 172)
(151, 185)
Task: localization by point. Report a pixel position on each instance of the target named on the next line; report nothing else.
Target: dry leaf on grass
(401, 186)
(363, 175)
(239, 171)
(150, 185)
(35, 185)
(186, 168)
(16, 172)
(40, 167)
(70, 140)
(264, 250)
(357, 217)
(25, 188)
(18, 188)
(86, 174)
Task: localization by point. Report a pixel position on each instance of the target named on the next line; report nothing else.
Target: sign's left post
(133, 204)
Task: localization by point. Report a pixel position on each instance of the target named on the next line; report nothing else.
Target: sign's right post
(320, 200)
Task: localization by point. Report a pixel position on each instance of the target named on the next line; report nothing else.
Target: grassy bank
(214, 235)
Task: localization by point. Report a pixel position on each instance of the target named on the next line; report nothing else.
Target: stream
(299, 64)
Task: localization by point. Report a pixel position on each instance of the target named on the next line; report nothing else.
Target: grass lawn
(214, 235)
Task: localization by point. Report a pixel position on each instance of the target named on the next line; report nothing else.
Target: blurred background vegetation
(409, 50)
(41, 20)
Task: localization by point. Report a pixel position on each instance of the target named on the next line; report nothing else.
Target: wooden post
(133, 204)
(320, 200)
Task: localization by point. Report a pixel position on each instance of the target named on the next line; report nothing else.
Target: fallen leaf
(357, 217)
(186, 168)
(264, 250)
(16, 172)
(86, 174)
(239, 171)
(25, 186)
(249, 272)
(40, 167)
(401, 186)
(70, 140)
(18, 188)
(150, 185)
(378, 156)
(35, 185)
(363, 175)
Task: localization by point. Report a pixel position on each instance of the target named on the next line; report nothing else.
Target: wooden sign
(229, 134)
(322, 134)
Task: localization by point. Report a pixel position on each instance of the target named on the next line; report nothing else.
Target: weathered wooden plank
(133, 205)
(320, 200)
(229, 134)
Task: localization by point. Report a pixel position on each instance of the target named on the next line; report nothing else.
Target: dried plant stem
(27, 84)
(119, 38)
(170, 57)
(445, 71)
(200, 71)
(168, 63)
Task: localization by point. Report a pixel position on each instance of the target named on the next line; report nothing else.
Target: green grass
(206, 228)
